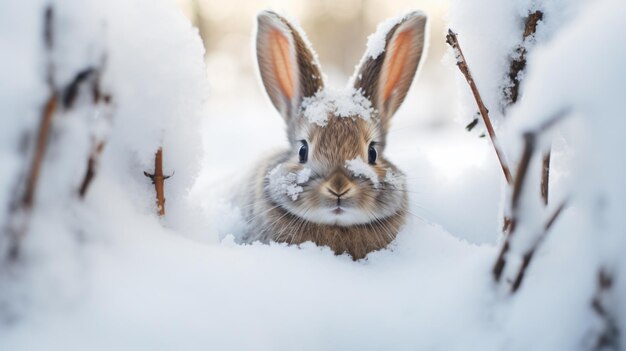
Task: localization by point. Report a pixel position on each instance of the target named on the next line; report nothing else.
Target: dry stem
(522, 170)
(545, 177)
(98, 97)
(23, 204)
(40, 150)
(609, 339)
(518, 64)
(530, 139)
(92, 164)
(158, 179)
(528, 255)
(452, 40)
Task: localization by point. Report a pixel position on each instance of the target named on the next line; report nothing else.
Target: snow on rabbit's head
(336, 172)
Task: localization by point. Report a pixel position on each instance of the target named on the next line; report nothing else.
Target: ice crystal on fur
(288, 183)
(360, 168)
(395, 180)
(342, 103)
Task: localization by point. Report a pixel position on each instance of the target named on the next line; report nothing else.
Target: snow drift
(104, 272)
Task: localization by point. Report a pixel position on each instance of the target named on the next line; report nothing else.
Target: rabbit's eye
(304, 151)
(372, 154)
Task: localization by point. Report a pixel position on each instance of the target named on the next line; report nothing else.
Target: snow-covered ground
(104, 272)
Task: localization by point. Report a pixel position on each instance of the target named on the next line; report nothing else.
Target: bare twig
(506, 225)
(528, 255)
(545, 177)
(71, 91)
(158, 179)
(453, 41)
(40, 150)
(609, 338)
(48, 39)
(98, 97)
(92, 164)
(23, 203)
(545, 168)
(46, 117)
(17, 226)
(471, 125)
(522, 171)
(520, 178)
(530, 139)
(60, 99)
(518, 64)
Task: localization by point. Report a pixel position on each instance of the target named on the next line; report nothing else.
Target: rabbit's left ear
(385, 77)
(288, 67)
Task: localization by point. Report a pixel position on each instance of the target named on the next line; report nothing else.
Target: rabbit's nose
(338, 185)
(338, 195)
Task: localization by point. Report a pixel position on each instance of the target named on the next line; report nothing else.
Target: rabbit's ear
(288, 67)
(385, 77)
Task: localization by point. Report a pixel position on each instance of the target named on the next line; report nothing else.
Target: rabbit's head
(335, 172)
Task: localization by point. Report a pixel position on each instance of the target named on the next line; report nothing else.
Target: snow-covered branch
(461, 62)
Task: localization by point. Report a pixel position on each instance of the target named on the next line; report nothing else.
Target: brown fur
(375, 210)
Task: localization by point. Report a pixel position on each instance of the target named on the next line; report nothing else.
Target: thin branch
(528, 255)
(530, 139)
(609, 338)
(553, 120)
(518, 64)
(545, 177)
(92, 164)
(59, 97)
(471, 125)
(98, 97)
(70, 93)
(545, 168)
(17, 226)
(520, 178)
(23, 203)
(46, 116)
(40, 150)
(522, 171)
(506, 225)
(158, 179)
(452, 40)
(48, 39)
(498, 267)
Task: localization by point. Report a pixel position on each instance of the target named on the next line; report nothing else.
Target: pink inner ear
(282, 63)
(397, 58)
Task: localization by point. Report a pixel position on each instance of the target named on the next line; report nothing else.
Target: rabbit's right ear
(385, 76)
(288, 67)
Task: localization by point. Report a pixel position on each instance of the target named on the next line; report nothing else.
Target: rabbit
(333, 185)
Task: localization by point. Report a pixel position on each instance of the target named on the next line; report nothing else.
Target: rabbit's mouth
(337, 215)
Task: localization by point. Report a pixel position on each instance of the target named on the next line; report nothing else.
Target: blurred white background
(425, 141)
(338, 31)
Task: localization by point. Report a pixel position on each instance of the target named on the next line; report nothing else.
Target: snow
(591, 127)
(327, 102)
(489, 32)
(377, 41)
(284, 182)
(105, 272)
(395, 180)
(360, 168)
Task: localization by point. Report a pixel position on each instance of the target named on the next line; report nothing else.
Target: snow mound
(104, 272)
